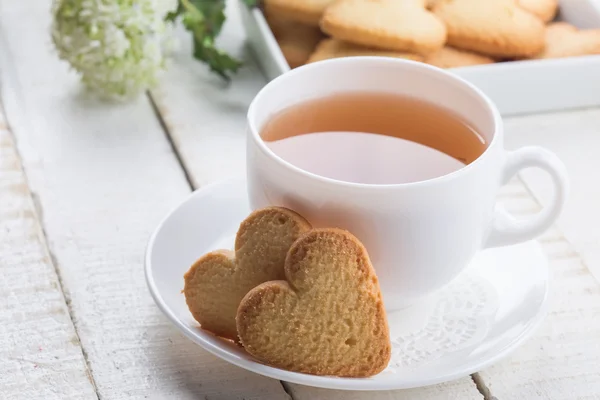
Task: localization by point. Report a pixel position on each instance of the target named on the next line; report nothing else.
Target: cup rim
(487, 102)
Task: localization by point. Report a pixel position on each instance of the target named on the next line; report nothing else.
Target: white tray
(517, 87)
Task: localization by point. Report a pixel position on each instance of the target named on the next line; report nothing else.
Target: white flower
(118, 46)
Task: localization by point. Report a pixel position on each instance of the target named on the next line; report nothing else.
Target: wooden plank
(561, 361)
(206, 121)
(105, 174)
(575, 138)
(39, 348)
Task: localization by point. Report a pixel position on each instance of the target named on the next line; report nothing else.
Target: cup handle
(506, 229)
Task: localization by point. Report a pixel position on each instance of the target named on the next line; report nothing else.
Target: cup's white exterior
(419, 235)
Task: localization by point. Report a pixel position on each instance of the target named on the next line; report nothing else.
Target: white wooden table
(83, 183)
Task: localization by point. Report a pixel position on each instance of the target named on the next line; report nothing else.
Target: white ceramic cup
(419, 235)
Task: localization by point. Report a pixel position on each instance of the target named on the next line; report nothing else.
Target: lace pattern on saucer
(458, 319)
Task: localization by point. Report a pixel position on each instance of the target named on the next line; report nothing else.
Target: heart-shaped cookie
(565, 40)
(333, 48)
(498, 28)
(326, 318)
(217, 282)
(400, 25)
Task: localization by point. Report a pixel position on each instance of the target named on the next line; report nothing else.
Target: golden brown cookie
(449, 57)
(543, 9)
(326, 318)
(400, 25)
(565, 40)
(498, 28)
(333, 48)
(304, 11)
(217, 282)
(297, 41)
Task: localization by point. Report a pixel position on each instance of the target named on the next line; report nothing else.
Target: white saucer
(480, 317)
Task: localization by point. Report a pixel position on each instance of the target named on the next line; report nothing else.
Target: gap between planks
(39, 211)
(66, 297)
(171, 140)
(481, 387)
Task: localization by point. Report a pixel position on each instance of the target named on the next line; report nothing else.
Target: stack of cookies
(444, 33)
(296, 298)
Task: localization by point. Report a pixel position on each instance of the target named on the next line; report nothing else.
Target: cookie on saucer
(217, 282)
(326, 317)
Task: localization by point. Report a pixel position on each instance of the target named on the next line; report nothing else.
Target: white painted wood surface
(105, 175)
(40, 354)
(562, 360)
(575, 138)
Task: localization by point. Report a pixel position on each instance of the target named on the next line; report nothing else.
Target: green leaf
(205, 19)
(251, 3)
(214, 14)
(218, 61)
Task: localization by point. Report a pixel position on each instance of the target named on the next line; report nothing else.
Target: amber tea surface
(373, 138)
